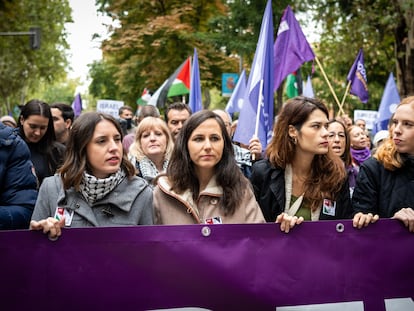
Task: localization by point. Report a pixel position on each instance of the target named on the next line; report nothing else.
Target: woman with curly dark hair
(301, 179)
(203, 183)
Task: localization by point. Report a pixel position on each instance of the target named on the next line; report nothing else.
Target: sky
(83, 50)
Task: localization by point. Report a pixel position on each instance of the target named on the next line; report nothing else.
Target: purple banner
(216, 267)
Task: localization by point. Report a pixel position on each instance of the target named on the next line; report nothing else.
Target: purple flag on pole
(291, 48)
(358, 77)
(235, 102)
(389, 101)
(261, 70)
(77, 105)
(195, 86)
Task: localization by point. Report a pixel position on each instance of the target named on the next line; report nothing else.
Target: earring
(294, 140)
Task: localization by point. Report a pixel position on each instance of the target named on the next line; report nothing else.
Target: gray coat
(130, 203)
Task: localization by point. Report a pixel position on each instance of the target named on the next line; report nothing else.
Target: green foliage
(154, 39)
(62, 92)
(102, 85)
(348, 25)
(21, 68)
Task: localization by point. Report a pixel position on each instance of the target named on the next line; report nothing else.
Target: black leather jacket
(269, 188)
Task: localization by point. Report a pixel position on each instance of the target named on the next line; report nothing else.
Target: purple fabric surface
(291, 48)
(236, 267)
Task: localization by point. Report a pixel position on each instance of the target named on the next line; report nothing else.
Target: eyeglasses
(332, 135)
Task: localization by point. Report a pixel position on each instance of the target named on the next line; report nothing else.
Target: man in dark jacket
(18, 182)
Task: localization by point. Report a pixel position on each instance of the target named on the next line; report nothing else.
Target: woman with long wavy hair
(301, 179)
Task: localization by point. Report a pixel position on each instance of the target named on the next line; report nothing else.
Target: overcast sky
(82, 49)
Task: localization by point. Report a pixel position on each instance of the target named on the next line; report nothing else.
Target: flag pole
(343, 99)
(259, 103)
(327, 81)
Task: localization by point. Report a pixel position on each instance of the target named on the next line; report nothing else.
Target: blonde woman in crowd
(385, 187)
(151, 150)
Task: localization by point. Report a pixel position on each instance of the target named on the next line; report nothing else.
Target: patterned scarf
(149, 170)
(360, 155)
(94, 189)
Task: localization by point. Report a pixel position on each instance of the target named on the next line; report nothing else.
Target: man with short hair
(63, 117)
(243, 156)
(361, 123)
(126, 115)
(175, 116)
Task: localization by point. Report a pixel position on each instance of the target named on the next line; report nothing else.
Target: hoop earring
(294, 140)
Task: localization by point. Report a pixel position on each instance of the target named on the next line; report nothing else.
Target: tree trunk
(404, 48)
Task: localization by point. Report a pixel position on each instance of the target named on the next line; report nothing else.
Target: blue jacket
(18, 183)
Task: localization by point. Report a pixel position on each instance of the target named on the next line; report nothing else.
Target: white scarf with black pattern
(94, 189)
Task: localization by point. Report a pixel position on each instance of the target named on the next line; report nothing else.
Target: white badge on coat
(60, 212)
(329, 207)
(214, 221)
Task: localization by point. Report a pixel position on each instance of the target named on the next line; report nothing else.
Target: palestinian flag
(144, 99)
(291, 86)
(177, 84)
(294, 84)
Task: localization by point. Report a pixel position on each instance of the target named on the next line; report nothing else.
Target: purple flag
(235, 102)
(195, 102)
(261, 71)
(77, 105)
(389, 101)
(358, 78)
(291, 48)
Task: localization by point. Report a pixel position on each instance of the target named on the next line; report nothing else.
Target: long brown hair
(47, 145)
(181, 171)
(327, 170)
(79, 137)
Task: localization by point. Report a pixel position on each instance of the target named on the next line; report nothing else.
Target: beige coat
(172, 208)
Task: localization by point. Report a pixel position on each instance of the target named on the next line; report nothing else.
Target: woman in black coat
(385, 183)
(301, 179)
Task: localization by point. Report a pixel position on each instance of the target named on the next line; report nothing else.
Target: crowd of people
(57, 171)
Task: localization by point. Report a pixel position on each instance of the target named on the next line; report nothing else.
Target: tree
(102, 85)
(21, 67)
(62, 92)
(155, 37)
(382, 28)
